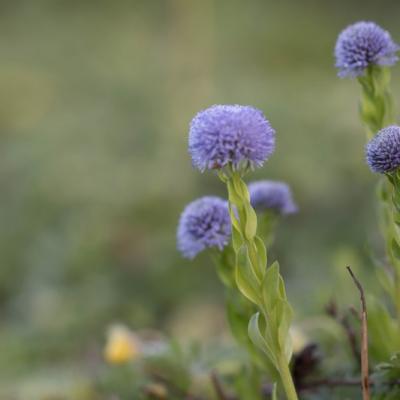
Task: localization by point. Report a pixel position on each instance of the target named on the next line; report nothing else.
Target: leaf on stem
(258, 339)
(245, 278)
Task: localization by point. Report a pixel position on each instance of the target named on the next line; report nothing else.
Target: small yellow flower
(121, 346)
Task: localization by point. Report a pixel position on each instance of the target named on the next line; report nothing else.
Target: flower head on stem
(383, 150)
(222, 135)
(361, 45)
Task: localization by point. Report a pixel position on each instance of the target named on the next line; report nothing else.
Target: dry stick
(218, 387)
(351, 336)
(364, 339)
(332, 311)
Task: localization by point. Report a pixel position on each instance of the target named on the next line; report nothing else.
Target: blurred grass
(95, 101)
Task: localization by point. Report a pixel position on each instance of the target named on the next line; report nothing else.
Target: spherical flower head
(230, 134)
(383, 151)
(204, 223)
(361, 45)
(272, 196)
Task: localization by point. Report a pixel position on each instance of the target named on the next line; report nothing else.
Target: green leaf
(281, 286)
(383, 331)
(237, 239)
(285, 314)
(234, 196)
(251, 222)
(258, 339)
(262, 253)
(383, 377)
(270, 286)
(396, 249)
(245, 279)
(386, 280)
(241, 188)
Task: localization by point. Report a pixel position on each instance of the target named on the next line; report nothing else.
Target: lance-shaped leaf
(262, 253)
(270, 286)
(284, 315)
(245, 278)
(395, 248)
(234, 196)
(251, 221)
(258, 339)
(237, 238)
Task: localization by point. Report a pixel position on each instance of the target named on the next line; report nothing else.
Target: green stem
(264, 287)
(287, 381)
(376, 104)
(377, 111)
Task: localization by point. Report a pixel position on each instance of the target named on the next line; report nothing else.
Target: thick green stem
(287, 381)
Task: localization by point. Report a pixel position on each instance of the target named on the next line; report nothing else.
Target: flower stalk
(377, 112)
(376, 104)
(269, 327)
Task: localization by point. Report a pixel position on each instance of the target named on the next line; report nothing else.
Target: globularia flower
(272, 195)
(224, 134)
(361, 45)
(383, 151)
(204, 223)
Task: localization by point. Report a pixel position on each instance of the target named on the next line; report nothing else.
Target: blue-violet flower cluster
(204, 223)
(383, 151)
(230, 134)
(361, 45)
(272, 196)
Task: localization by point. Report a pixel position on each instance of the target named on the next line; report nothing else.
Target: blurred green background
(95, 102)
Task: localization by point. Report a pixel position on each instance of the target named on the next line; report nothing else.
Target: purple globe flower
(272, 195)
(361, 45)
(224, 134)
(204, 223)
(383, 151)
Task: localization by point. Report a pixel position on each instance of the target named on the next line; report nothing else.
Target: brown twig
(351, 337)
(343, 320)
(219, 390)
(364, 339)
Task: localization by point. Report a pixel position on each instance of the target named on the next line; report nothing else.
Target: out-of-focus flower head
(204, 223)
(274, 196)
(122, 345)
(383, 150)
(361, 45)
(230, 134)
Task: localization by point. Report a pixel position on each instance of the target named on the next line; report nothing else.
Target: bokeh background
(95, 102)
